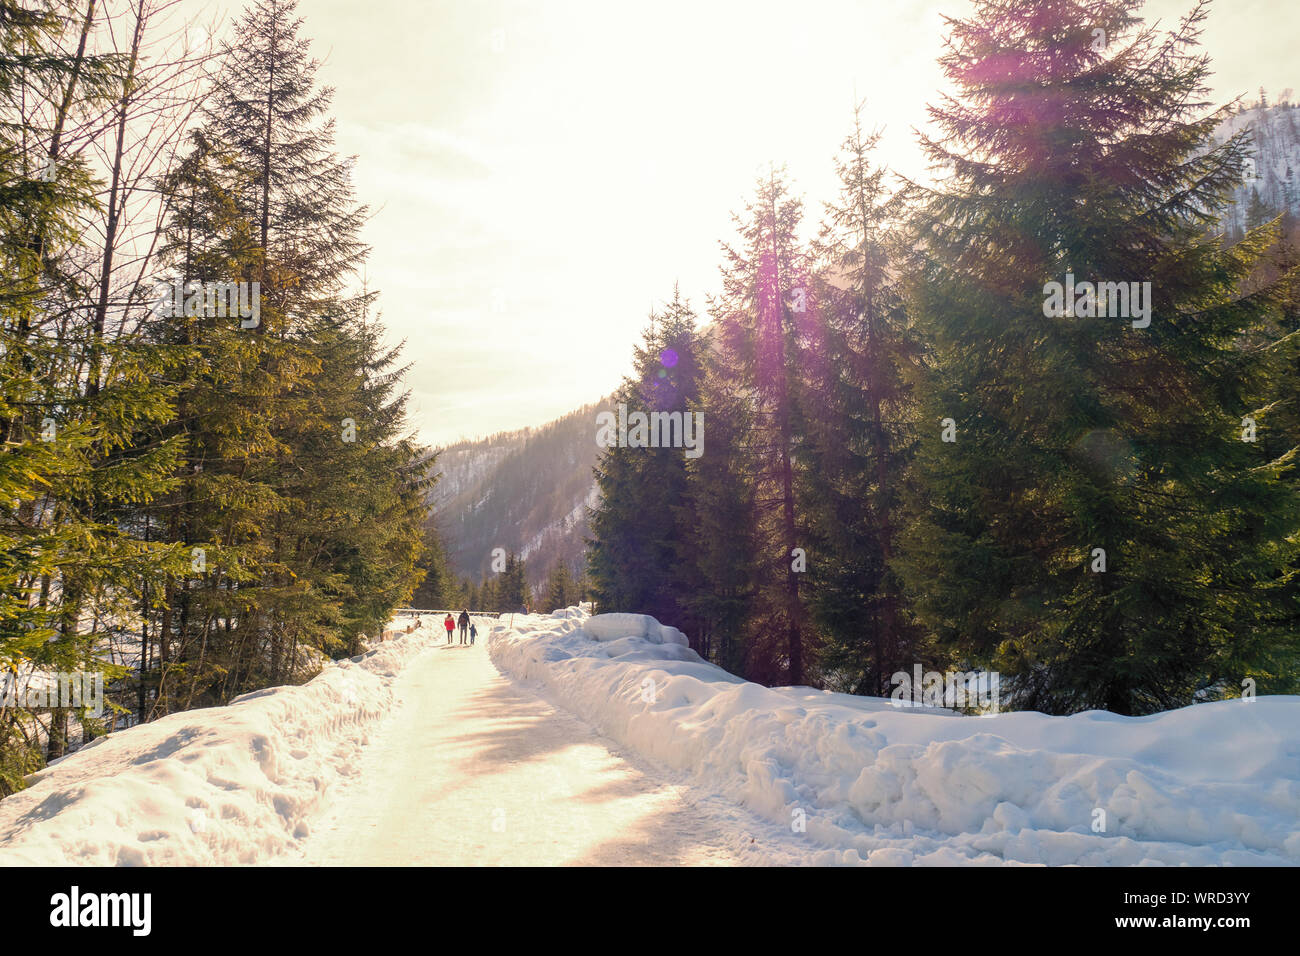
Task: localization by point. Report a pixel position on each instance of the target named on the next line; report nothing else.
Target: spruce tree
(72, 471)
(559, 590)
(512, 585)
(765, 315)
(639, 556)
(1097, 528)
(724, 544)
(858, 429)
(301, 493)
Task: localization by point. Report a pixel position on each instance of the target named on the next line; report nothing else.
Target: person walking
(473, 632)
(464, 624)
(450, 625)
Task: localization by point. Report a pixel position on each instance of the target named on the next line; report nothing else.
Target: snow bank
(865, 781)
(613, 627)
(222, 785)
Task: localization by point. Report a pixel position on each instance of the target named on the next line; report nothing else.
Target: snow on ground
(607, 740)
(221, 785)
(418, 752)
(864, 781)
(475, 770)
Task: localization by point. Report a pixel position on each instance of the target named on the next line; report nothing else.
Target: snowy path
(472, 769)
(419, 753)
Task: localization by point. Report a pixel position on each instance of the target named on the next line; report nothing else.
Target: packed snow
(221, 785)
(416, 750)
(473, 769)
(866, 781)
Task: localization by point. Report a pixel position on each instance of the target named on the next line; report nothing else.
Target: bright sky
(543, 172)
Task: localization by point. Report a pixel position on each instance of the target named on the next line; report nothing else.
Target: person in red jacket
(450, 625)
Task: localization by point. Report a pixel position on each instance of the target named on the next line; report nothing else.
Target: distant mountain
(1275, 169)
(526, 491)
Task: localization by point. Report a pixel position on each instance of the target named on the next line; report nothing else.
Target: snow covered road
(472, 769)
(571, 739)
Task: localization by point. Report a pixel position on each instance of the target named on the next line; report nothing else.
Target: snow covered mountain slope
(526, 491)
(867, 781)
(1274, 169)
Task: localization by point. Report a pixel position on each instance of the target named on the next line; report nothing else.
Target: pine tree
(490, 595)
(512, 586)
(71, 472)
(858, 433)
(724, 546)
(1097, 529)
(439, 583)
(639, 555)
(1257, 211)
(559, 590)
(300, 495)
(765, 314)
